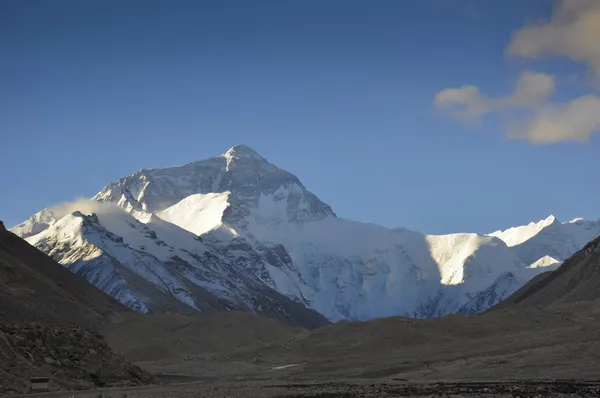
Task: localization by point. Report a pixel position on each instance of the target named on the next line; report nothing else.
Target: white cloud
(468, 105)
(574, 121)
(465, 104)
(533, 88)
(572, 31)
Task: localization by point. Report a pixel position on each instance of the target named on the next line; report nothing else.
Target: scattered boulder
(74, 354)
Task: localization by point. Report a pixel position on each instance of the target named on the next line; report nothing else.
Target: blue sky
(341, 93)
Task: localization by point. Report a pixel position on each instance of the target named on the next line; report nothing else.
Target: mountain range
(235, 232)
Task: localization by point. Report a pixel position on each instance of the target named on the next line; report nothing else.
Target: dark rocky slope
(577, 279)
(49, 319)
(34, 287)
(73, 356)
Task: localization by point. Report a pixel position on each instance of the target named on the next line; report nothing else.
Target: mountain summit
(242, 152)
(240, 172)
(237, 232)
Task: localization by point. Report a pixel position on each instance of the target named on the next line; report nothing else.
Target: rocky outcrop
(70, 355)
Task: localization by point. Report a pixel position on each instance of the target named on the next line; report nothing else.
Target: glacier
(236, 232)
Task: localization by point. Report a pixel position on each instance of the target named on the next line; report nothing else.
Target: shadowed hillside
(48, 323)
(35, 287)
(577, 279)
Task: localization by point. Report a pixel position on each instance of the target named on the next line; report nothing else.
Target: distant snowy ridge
(235, 228)
(539, 243)
(517, 235)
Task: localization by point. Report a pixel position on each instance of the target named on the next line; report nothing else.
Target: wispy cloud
(572, 31)
(467, 104)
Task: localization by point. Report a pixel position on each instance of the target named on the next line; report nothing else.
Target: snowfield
(236, 232)
(198, 213)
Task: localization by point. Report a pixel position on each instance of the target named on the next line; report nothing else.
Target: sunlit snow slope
(547, 240)
(236, 228)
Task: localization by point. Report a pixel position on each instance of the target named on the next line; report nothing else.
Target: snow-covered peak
(37, 222)
(243, 173)
(66, 228)
(245, 155)
(261, 229)
(549, 237)
(44, 219)
(517, 235)
(242, 152)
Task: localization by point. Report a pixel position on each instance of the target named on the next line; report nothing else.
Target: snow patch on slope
(198, 213)
(455, 256)
(545, 261)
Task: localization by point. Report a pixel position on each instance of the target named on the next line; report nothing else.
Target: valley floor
(551, 351)
(348, 389)
(521, 351)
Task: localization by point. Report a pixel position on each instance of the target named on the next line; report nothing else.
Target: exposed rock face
(71, 355)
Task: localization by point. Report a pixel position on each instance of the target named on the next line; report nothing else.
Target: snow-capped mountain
(227, 232)
(241, 171)
(157, 266)
(549, 240)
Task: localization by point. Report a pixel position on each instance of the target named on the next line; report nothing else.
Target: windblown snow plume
(45, 218)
